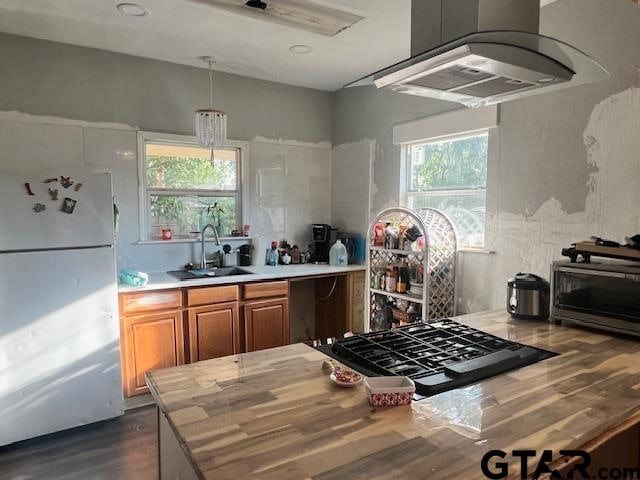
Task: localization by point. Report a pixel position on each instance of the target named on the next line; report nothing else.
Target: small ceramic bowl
(346, 378)
(341, 375)
(389, 391)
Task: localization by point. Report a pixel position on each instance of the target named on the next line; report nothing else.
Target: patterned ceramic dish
(340, 375)
(389, 391)
(346, 378)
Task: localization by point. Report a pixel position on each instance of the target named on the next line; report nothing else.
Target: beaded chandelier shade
(211, 124)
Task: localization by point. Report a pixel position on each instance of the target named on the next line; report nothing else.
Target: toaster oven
(598, 295)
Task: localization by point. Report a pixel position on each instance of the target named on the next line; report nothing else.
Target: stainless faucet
(203, 255)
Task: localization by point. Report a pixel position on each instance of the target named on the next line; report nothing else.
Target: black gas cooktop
(437, 356)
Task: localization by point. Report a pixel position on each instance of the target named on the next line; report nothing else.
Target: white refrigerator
(59, 329)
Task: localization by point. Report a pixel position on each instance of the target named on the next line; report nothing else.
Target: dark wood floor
(122, 448)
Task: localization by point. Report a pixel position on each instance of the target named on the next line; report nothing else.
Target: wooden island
(274, 414)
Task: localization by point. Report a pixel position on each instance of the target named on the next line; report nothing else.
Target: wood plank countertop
(274, 414)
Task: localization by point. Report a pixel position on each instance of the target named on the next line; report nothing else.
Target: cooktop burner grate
(438, 356)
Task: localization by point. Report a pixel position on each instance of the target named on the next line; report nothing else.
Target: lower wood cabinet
(151, 341)
(166, 328)
(266, 324)
(214, 331)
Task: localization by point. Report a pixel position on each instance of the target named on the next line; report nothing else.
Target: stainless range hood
(493, 64)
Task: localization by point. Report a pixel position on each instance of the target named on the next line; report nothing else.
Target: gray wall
(568, 163)
(542, 135)
(365, 113)
(49, 78)
(288, 130)
(564, 166)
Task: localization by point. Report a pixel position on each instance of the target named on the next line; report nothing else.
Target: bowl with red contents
(345, 378)
(389, 391)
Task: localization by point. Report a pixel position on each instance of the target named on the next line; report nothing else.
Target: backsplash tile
(291, 188)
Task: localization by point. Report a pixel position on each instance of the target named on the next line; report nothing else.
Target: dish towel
(133, 278)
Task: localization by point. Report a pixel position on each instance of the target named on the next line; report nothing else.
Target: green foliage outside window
(190, 173)
(183, 212)
(456, 164)
(451, 176)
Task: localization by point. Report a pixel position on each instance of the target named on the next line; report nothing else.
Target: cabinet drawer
(210, 295)
(266, 290)
(150, 301)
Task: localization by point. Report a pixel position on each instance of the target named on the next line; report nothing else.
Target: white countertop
(162, 280)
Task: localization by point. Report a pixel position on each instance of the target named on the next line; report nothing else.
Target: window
(182, 189)
(451, 175)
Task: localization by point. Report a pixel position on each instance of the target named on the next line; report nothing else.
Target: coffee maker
(323, 237)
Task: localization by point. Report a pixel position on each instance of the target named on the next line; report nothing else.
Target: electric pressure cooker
(528, 297)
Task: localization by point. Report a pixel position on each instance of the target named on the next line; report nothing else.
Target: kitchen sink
(207, 273)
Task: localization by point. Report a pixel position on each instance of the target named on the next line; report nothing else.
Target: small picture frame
(68, 205)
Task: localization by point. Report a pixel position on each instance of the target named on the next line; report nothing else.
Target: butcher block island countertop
(274, 414)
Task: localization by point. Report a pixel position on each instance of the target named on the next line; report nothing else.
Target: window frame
(408, 193)
(145, 192)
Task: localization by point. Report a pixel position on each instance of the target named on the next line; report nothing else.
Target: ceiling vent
(256, 4)
(483, 52)
(298, 14)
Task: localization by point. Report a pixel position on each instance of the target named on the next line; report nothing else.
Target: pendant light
(211, 124)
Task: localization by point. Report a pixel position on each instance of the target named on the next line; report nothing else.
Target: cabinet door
(214, 331)
(152, 342)
(266, 324)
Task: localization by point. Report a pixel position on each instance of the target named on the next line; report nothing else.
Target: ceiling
(180, 31)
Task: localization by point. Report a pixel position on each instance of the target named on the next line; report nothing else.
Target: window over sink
(184, 187)
(450, 174)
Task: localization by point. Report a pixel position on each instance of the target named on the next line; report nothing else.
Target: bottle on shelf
(403, 238)
(391, 237)
(420, 274)
(403, 278)
(391, 280)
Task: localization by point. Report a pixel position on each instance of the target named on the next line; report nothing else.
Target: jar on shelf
(377, 280)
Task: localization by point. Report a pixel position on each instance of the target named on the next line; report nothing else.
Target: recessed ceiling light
(132, 9)
(300, 49)
(546, 80)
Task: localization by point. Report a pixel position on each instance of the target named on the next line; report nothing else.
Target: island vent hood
(483, 52)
